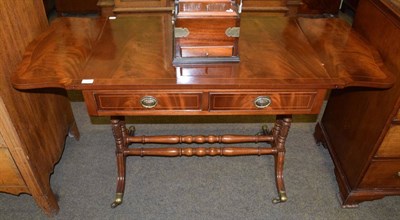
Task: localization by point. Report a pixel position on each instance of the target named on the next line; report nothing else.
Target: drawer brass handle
(262, 101)
(148, 102)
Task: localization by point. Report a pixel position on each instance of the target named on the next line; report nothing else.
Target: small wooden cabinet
(361, 126)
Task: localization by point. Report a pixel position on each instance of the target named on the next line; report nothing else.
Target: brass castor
(117, 201)
(282, 198)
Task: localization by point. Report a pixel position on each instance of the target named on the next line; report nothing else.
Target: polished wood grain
(33, 126)
(349, 57)
(72, 39)
(357, 120)
(261, 37)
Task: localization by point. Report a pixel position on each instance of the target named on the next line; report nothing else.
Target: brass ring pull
(148, 102)
(262, 102)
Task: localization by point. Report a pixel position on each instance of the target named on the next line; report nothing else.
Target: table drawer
(123, 102)
(390, 146)
(382, 174)
(202, 102)
(281, 102)
(203, 51)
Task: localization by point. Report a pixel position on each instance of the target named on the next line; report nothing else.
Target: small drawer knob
(262, 101)
(148, 102)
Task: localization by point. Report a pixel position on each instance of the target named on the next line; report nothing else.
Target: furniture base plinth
(349, 196)
(276, 137)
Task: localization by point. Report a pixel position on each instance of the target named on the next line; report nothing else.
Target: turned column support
(280, 133)
(120, 134)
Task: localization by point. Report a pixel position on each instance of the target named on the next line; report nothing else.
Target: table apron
(203, 102)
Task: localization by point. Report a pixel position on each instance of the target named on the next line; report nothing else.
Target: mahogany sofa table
(124, 67)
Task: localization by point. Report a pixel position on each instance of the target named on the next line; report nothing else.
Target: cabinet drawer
(281, 102)
(123, 102)
(222, 51)
(390, 146)
(10, 175)
(382, 174)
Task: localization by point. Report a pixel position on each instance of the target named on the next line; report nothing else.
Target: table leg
(277, 138)
(280, 132)
(120, 134)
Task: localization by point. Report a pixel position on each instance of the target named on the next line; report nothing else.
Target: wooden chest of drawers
(10, 178)
(364, 137)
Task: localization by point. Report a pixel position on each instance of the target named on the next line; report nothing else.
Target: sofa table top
(135, 52)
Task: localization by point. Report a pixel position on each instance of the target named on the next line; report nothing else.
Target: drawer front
(203, 102)
(382, 174)
(213, 35)
(390, 146)
(108, 103)
(307, 102)
(10, 176)
(222, 51)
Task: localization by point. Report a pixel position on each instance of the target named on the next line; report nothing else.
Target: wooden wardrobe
(34, 125)
(361, 127)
